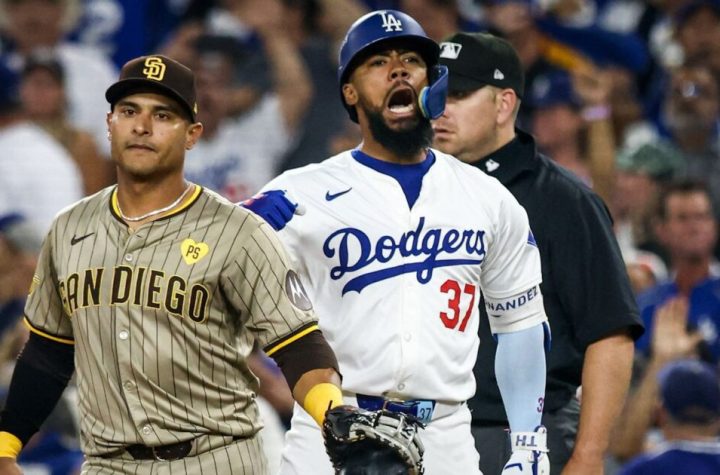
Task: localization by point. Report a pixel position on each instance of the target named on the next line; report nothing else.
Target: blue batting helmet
(371, 33)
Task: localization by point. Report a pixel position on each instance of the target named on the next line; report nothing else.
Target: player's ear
(108, 119)
(350, 94)
(506, 102)
(193, 134)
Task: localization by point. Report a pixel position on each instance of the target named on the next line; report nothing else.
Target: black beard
(405, 143)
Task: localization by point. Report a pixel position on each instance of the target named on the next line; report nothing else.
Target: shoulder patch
(296, 292)
(531, 239)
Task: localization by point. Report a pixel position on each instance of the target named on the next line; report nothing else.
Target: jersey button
(129, 385)
(128, 257)
(123, 335)
(147, 430)
(401, 386)
(407, 337)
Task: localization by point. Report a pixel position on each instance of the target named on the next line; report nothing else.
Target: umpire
(586, 291)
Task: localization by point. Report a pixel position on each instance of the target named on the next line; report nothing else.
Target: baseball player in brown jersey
(155, 291)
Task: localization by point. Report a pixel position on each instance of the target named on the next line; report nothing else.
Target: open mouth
(402, 101)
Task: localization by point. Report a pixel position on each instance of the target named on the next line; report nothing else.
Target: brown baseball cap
(479, 59)
(159, 74)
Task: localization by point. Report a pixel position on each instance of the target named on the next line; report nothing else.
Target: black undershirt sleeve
(309, 352)
(41, 374)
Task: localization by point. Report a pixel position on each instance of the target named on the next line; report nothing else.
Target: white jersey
(396, 288)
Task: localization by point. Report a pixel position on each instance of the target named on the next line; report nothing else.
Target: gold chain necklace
(156, 211)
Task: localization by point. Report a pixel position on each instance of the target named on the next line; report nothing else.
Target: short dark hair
(685, 186)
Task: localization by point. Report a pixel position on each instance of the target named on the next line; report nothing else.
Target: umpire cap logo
(296, 292)
(154, 68)
(450, 50)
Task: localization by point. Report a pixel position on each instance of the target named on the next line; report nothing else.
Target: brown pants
(242, 457)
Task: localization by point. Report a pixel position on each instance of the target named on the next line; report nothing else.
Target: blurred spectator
(126, 29)
(691, 115)
(640, 172)
(54, 450)
(439, 18)
(690, 122)
(688, 231)
(579, 13)
(571, 123)
(624, 101)
(689, 417)
(44, 102)
(557, 123)
(37, 175)
(697, 31)
(545, 44)
(514, 20)
(19, 245)
(29, 26)
(314, 26)
(642, 271)
(237, 155)
(670, 340)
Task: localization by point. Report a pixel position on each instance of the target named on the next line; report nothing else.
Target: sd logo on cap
(156, 73)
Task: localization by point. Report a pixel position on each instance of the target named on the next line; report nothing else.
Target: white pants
(449, 446)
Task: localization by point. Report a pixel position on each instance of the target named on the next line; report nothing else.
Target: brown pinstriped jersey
(163, 318)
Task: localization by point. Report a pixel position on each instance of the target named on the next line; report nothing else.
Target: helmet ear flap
(432, 98)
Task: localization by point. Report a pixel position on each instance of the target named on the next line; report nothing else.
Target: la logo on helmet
(390, 23)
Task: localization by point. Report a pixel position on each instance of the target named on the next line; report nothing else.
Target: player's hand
(529, 454)
(274, 207)
(8, 466)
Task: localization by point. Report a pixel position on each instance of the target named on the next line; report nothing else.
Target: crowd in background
(624, 93)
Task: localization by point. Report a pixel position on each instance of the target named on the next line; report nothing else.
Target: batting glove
(529, 453)
(274, 207)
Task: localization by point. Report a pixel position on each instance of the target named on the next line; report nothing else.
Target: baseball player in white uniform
(396, 246)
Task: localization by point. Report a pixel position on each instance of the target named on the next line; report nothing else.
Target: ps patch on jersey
(296, 292)
(193, 251)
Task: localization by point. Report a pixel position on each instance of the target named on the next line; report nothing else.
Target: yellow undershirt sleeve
(320, 398)
(10, 445)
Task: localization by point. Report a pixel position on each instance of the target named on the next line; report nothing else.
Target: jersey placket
(127, 343)
(410, 308)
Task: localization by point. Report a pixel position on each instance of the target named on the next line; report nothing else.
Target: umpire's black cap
(156, 73)
(479, 59)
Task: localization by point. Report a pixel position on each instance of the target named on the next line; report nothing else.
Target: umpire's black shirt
(585, 287)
